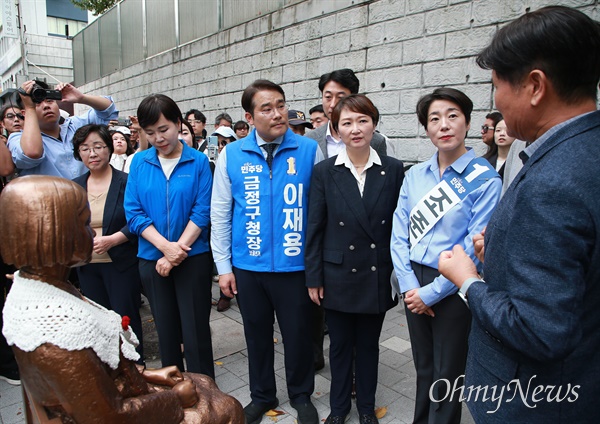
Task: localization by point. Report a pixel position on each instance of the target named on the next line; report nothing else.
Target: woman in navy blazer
(348, 261)
(112, 278)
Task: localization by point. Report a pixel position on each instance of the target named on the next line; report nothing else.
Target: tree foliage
(97, 7)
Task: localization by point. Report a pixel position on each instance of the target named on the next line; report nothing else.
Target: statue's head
(44, 222)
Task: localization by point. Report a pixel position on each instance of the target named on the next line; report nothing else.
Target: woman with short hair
(168, 205)
(348, 264)
(111, 278)
(443, 202)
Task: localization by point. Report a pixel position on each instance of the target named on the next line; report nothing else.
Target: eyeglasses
(193, 121)
(485, 128)
(97, 149)
(268, 111)
(13, 116)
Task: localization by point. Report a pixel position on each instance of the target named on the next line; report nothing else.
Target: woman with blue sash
(443, 201)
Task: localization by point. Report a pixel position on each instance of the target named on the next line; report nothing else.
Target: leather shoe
(335, 419)
(255, 411)
(307, 413)
(368, 419)
(223, 304)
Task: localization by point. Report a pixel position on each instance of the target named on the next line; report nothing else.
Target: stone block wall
(400, 50)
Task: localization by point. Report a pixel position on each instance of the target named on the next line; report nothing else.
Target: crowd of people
(311, 223)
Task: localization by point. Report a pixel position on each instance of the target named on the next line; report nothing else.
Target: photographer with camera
(45, 147)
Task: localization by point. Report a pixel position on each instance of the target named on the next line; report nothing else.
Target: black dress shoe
(223, 304)
(368, 419)
(307, 413)
(255, 411)
(335, 419)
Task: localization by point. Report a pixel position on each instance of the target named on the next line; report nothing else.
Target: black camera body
(39, 94)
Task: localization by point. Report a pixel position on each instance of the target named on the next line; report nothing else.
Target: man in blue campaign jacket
(258, 215)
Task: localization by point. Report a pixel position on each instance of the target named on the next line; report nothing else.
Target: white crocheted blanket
(36, 313)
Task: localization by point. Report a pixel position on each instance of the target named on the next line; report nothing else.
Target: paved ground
(396, 388)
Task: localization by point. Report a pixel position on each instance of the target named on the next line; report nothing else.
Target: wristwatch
(462, 292)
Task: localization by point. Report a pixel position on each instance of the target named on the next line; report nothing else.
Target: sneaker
(255, 411)
(11, 377)
(307, 413)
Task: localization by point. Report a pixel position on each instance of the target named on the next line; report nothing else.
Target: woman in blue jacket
(167, 203)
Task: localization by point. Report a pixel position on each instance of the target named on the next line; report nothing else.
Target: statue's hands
(186, 392)
(168, 376)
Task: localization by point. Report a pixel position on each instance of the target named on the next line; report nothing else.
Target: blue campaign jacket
(270, 214)
(151, 199)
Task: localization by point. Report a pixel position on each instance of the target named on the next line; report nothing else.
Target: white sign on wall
(9, 19)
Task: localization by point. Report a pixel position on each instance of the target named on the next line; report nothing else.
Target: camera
(39, 94)
(213, 147)
(124, 122)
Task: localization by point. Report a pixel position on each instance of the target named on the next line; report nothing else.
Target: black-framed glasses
(486, 128)
(12, 116)
(97, 148)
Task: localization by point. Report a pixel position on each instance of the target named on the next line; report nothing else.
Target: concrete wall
(400, 49)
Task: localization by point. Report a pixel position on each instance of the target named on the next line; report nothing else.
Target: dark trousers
(181, 305)
(260, 296)
(439, 347)
(116, 290)
(349, 333)
(318, 333)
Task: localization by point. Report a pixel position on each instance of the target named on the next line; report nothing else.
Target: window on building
(58, 26)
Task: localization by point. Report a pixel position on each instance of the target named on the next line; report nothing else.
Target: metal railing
(135, 30)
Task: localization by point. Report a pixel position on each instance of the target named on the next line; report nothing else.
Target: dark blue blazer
(113, 220)
(348, 236)
(537, 320)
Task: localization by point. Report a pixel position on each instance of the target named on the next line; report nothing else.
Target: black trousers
(115, 290)
(349, 333)
(181, 306)
(439, 348)
(260, 296)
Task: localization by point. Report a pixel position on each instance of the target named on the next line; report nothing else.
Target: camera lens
(38, 94)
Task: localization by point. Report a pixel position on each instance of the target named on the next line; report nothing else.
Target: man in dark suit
(534, 340)
(333, 86)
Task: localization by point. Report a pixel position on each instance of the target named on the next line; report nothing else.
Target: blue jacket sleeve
(201, 208)
(137, 219)
(400, 245)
